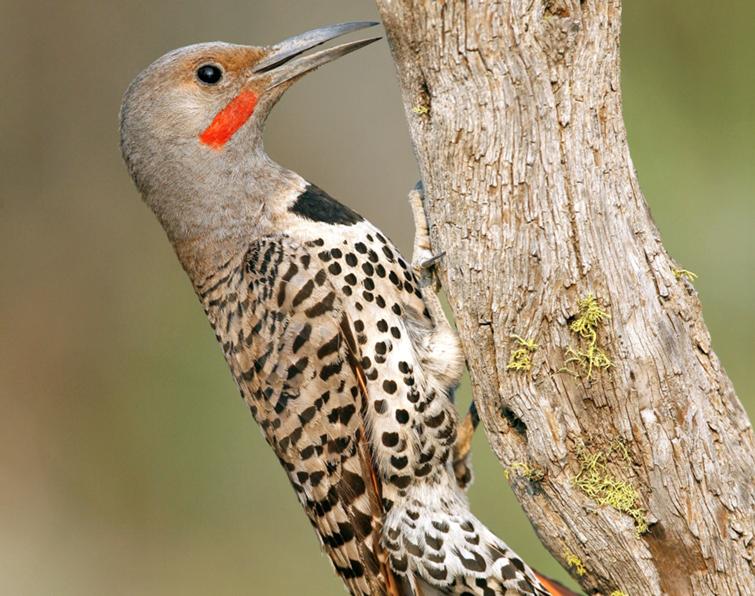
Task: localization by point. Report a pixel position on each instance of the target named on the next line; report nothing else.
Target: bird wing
(292, 349)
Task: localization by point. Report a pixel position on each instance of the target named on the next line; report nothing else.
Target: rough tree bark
(514, 108)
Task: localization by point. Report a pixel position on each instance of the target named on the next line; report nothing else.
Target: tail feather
(432, 538)
(554, 587)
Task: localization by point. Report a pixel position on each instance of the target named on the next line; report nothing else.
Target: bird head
(191, 123)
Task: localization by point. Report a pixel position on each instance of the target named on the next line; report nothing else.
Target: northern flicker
(338, 345)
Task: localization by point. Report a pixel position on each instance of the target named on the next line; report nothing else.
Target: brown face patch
(235, 63)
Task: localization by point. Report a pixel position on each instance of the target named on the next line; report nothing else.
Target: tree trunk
(625, 441)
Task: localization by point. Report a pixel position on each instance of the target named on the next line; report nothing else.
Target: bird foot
(463, 446)
(423, 259)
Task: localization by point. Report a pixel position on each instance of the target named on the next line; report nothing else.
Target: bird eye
(209, 74)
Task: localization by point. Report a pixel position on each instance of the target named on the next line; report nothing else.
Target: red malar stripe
(229, 120)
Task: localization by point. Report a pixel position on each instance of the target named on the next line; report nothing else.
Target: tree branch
(514, 108)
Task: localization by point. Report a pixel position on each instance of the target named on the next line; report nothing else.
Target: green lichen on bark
(531, 473)
(521, 358)
(574, 562)
(598, 481)
(587, 356)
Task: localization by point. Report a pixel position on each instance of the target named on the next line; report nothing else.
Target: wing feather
(292, 350)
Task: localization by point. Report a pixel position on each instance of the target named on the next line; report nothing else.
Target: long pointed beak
(285, 60)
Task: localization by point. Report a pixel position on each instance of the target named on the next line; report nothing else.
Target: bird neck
(247, 204)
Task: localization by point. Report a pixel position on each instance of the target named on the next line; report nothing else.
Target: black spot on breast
(402, 482)
(390, 439)
(317, 205)
(423, 470)
(435, 421)
(399, 462)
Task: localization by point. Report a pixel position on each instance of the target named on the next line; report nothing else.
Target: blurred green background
(128, 464)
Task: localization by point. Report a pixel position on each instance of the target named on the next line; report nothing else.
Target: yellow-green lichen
(618, 593)
(588, 359)
(598, 482)
(591, 315)
(421, 110)
(684, 273)
(574, 562)
(521, 357)
(589, 355)
(531, 473)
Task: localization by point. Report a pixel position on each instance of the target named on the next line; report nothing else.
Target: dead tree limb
(514, 109)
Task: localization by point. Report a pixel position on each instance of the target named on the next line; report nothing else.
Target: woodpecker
(338, 345)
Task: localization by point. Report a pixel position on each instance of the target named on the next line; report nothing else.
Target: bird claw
(429, 263)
